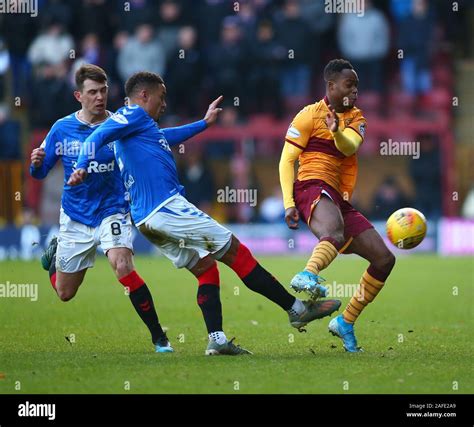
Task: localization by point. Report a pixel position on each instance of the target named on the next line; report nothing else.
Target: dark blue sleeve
(119, 125)
(52, 147)
(182, 133)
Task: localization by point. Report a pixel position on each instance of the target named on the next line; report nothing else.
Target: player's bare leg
(208, 299)
(121, 261)
(255, 277)
(327, 225)
(370, 246)
(67, 284)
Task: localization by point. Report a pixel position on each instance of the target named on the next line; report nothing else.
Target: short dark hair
(335, 67)
(140, 80)
(91, 72)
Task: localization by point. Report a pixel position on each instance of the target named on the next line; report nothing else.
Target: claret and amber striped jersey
(319, 158)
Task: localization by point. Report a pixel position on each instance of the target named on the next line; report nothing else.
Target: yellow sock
(366, 292)
(323, 254)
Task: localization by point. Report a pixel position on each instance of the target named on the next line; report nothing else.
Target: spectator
(415, 38)
(247, 20)
(365, 42)
(12, 25)
(141, 52)
(51, 95)
(184, 74)
(197, 178)
(139, 11)
(51, 47)
(225, 148)
(320, 25)
(210, 16)
(426, 174)
(388, 199)
(228, 62)
(264, 76)
(95, 16)
(293, 34)
(10, 146)
(170, 22)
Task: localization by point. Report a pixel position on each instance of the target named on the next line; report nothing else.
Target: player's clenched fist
(77, 177)
(292, 217)
(37, 157)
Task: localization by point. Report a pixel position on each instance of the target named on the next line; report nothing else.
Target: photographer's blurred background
(414, 59)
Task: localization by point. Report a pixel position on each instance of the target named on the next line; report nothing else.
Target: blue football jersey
(143, 155)
(103, 193)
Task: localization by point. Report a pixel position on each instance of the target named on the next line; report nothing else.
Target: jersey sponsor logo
(293, 132)
(119, 118)
(95, 166)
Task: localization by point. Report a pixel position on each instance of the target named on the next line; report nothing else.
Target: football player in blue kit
(96, 213)
(183, 233)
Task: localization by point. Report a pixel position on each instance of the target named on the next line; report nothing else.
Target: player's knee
(336, 235)
(386, 261)
(122, 266)
(65, 294)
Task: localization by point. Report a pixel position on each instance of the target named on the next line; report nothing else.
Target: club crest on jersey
(362, 129)
(111, 146)
(293, 132)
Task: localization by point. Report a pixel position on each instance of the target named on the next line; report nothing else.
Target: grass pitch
(417, 335)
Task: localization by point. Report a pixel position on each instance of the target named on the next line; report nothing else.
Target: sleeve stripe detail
(294, 143)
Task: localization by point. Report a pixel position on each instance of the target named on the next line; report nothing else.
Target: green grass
(112, 347)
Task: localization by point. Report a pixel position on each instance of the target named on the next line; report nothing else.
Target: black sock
(143, 303)
(209, 302)
(261, 281)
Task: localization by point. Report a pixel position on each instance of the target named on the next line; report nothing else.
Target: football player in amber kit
(324, 137)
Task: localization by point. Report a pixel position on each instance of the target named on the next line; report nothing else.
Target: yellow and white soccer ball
(406, 228)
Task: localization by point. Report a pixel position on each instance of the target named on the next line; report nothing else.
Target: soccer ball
(406, 228)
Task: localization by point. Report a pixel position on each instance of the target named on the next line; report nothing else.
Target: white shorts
(185, 234)
(77, 243)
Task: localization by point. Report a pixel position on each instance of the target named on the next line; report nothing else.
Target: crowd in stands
(262, 55)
